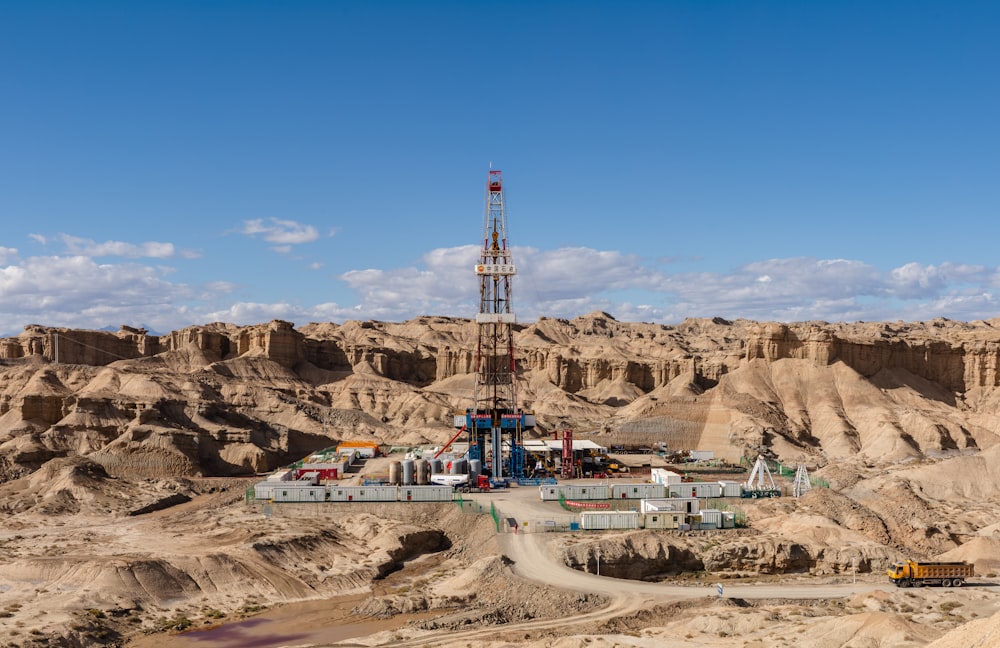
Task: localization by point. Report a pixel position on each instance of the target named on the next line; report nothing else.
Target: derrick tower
(495, 423)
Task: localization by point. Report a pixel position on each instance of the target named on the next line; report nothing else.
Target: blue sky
(176, 163)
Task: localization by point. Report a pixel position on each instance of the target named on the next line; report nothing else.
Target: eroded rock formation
(226, 399)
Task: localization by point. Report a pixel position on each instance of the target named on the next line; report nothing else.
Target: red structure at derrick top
(495, 182)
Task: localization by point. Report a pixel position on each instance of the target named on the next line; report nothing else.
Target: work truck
(909, 573)
(462, 483)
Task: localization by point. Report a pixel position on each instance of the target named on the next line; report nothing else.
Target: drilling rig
(495, 423)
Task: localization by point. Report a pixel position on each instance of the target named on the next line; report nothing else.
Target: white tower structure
(761, 483)
(801, 486)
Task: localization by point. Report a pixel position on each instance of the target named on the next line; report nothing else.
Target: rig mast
(495, 423)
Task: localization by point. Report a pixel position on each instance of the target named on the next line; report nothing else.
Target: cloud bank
(74, 290)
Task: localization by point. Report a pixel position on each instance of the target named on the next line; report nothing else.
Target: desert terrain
(125, 458)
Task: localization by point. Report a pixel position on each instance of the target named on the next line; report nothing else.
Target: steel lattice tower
(495, 423)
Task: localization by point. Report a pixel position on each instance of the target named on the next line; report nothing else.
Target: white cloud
(255, 313)
(77, 246)
(571, 281)
(39, 238)
(914, 281)
(552, 283)
(76, 291)
(280, 232)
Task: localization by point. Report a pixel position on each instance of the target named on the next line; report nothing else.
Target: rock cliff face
(957, 356)
(226, 399)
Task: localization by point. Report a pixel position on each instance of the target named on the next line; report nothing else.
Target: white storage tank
(731, 488)
(409, 472)
(664, 476)
(425, 494)
(637, 491)
(596, 520)
(703, 490)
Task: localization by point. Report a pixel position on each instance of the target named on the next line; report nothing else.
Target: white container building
(663, 520)
(711, 519)
(703, 490)
(596, 520)
(281, 491)
(265, 489)
(690, 505)
(574, 492)
(637, 491)
(310, 478)
(731, 488)
(702, 455)
(303, 493)
(363, 493)
(425, 494)
(664, 476)
(285, 474)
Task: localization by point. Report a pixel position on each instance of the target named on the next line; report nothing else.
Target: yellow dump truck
(916, 574)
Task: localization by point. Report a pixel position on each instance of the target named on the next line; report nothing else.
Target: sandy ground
(233, 575)
(816, 611)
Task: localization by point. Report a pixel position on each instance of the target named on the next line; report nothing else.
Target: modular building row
(298, 491)
(656, 490)
(573, 492)
(706, 519)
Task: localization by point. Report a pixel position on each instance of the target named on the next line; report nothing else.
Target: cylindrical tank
(423, 469)
(437, 466)
(475, 468)
(461, 466)
(394, 473)
(408, 472)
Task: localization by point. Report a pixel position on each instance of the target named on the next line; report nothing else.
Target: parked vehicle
(917, 574)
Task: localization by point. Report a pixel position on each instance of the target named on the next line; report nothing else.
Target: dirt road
(533, 559)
